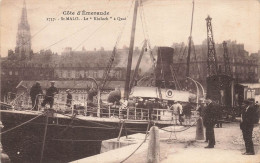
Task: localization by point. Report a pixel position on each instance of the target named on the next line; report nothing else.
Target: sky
(164, 22)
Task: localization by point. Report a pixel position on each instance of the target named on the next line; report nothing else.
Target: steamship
(50, 136)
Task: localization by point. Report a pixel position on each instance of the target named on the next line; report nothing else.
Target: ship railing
(134, 113)
(112, 111)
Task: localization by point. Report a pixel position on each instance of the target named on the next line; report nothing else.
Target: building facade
(244, 67)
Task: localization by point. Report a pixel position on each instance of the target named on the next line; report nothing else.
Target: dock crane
(220, 85)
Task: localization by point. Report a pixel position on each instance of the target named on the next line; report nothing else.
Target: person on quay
(177, 111)
(187, 113)
(201, 111)
(69, 98)
(209, 123)
(49, 97)
(247, 125)
(149, 106)
(35, 91)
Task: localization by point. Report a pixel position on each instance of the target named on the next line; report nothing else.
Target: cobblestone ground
(229, 143)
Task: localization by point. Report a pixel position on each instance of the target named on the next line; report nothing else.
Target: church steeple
(23, 38)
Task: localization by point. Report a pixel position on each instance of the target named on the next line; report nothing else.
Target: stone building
(244, 67)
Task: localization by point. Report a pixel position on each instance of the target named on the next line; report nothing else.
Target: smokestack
(163, 73)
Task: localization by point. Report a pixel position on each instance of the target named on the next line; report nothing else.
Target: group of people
(36, 92)
(181, 111)
(249, 117)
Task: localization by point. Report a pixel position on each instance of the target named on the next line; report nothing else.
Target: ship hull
(66, 139)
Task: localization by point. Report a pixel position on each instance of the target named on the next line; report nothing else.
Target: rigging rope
(89, 36)
(180, 60)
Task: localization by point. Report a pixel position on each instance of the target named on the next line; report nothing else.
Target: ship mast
(190, 39)
(130, 55)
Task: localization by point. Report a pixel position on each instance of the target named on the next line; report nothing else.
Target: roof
(69, 84)
(251, 85)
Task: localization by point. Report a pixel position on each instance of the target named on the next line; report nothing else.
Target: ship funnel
(163, 74)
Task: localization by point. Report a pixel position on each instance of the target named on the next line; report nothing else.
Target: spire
(23, 38)
(24, 15)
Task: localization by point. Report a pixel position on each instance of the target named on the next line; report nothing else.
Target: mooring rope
(146, 135)
(21, 124)
(180, 130)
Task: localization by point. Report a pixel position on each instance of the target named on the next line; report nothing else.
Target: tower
(212, 59)
(23, 37)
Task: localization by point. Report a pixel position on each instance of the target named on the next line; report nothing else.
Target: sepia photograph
(130, 81)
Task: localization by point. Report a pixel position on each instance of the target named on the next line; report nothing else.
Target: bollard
(153, 154)
(199, 130)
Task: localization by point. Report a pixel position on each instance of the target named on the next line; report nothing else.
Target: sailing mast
(130, 55)
(190, 39)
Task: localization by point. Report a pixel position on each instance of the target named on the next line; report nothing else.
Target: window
(16, 73)
(69, 74)
(10, 72)
(95, 74)
(77, 74)
(100, 73)
(86, 73)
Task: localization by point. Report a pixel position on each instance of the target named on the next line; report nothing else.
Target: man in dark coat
(247, 125)
(209, 123)
(149, 106)
(35, 91)
(187, 112)
(49, 97)
(69, 98)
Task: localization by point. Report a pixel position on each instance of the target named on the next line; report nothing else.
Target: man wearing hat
(35, 91)
(49, 97)
(209, 123)
(247, 125)
(69, 98)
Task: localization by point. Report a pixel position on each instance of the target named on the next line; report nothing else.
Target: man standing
(49, 97)
(247, 125)
(209, 123)
(187, 113)
(149, 107)
(177, 111)
(201, 111)
(35, 91)
(180, 112)
(69, 98)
